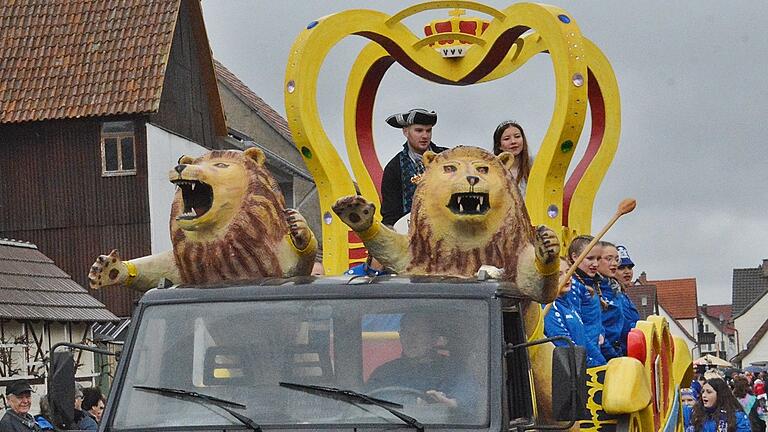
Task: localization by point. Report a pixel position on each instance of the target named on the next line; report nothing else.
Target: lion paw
(547, 245)
(355, 211)
(107, 270)
(301, 235)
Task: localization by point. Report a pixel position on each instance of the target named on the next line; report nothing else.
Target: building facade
(40, 306)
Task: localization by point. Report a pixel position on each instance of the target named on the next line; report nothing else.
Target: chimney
(644, 280)
(765, 267)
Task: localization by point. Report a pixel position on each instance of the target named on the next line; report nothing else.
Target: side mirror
(569, 383)
(61, 389)
(61, 383)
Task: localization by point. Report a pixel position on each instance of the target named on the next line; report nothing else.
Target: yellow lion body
(228, 222)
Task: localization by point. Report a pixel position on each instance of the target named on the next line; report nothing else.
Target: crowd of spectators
(716, 403)
(88, 407)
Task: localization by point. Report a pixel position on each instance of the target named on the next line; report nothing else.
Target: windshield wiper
(221, 403)
(353, 396)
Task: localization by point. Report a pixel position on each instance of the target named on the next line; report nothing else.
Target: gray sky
(692, 79)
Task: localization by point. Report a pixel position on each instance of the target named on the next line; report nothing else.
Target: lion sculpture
(228, 222)
(467, 212)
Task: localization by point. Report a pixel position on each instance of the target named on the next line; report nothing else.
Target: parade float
(638, 392)
(227, 352)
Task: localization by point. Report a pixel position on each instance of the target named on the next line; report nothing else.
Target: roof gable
(257, 104)
(678, 325)
(753, 342)
(749, 284)
(32, 287)
(79, 58)
(720, 316)
(678, 297)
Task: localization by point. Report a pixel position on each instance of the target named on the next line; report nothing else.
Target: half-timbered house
(40, 306)
(98, 99)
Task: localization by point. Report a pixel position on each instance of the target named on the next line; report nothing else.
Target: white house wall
(710, 325)
(675, 330)
(748, 323)
(689, 325)
(163, 152)
(758, 354)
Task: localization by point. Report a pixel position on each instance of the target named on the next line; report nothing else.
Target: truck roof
(335, 287)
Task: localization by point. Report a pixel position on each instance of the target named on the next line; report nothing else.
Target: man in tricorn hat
(18, 394)
(397, 183)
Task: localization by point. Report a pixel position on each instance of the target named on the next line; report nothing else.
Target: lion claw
(107, 270)
(355, 211)
(299, 230)
(547, 245)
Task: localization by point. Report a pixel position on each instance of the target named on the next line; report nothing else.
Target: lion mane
(246, 246)
(433, 243)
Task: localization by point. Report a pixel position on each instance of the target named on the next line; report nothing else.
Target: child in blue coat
(718, 410)
(625, 276)
(612, 307)
(562, 319)
(585, 293)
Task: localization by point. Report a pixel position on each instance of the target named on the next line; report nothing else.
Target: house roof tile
(678, 297)
(749, 284)
(80, 58)
(266, 112)
(33, 288)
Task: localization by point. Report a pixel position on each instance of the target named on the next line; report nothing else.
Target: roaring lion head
(226, 218)
(467, 211)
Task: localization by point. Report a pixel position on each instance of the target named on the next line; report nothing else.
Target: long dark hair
(524, 161)
(726, 404)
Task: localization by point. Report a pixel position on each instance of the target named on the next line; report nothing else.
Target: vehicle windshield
(429, 355)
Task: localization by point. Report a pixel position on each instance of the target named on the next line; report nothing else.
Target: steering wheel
(396, 393)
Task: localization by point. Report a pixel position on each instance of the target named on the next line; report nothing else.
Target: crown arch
(584, 81)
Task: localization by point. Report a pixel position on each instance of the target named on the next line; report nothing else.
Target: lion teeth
(481, 200)
(461, 207)
(193, 186)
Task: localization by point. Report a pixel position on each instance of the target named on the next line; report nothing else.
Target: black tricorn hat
(414, 116)
(18, 387)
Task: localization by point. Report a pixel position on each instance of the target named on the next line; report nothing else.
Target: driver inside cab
(424, 367)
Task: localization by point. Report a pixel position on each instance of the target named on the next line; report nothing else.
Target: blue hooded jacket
(563, 320)
(613, 318)
(712, 422)
(631, 317)
(588, 306)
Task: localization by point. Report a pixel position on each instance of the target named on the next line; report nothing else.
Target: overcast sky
(692, 79)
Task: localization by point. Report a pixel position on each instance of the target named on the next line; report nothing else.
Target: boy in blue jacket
(561, 319)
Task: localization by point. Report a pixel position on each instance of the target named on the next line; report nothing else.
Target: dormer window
(118, 149)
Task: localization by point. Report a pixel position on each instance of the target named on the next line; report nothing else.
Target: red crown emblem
(454, 24)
